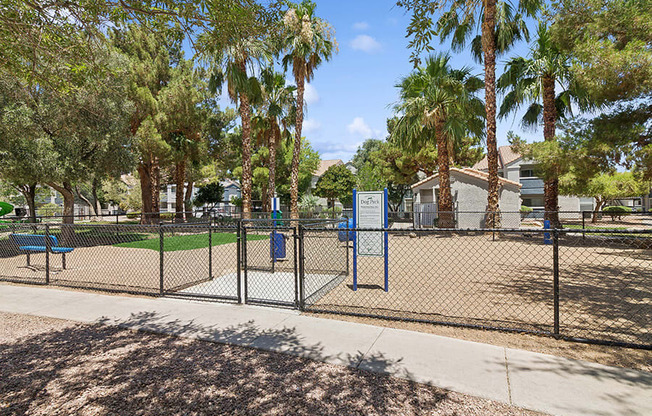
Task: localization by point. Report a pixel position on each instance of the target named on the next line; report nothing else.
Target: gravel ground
(54, 367)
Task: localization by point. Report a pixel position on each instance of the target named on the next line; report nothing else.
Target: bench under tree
(39, 243)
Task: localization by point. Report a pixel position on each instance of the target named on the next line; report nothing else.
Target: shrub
(167, 216)
(133, 215)
(50, 209)
(618, 211)
(525, 211)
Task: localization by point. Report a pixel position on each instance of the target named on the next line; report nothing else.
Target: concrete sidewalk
(535, 381)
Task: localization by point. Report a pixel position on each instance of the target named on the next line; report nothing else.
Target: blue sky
(351, 96)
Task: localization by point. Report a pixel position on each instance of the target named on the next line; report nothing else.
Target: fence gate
(270, 267)
(200, 260)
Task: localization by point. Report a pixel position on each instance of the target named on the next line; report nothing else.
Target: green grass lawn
(592, 227)
(187, 242)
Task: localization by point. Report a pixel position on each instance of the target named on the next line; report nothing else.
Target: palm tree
(437, 101)
(307, 41)
(278, 109)
(230, 63)
(533, 81)
(500, 29)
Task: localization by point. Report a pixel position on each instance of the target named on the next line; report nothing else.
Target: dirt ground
(120, 268)
(604, 290)
(57, 367)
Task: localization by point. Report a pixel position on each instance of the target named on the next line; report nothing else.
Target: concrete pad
(336, 342)
(571, 387)
(16, 301)
(463, 366)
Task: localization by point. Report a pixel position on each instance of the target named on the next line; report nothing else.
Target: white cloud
(360, 26)
(365, 43)
(310, 125)
(311, 96)
(359, 127)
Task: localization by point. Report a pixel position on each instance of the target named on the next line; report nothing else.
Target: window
(533, 202)
(173, 189)
(527, 173)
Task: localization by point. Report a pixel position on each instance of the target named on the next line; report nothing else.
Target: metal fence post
(244, 261)
(47, 254)
(302, 269)
(555, 284)
(348, 262)
(210, 251)
(583, 225)
(239, 255)
(493, 226)
(161, 247)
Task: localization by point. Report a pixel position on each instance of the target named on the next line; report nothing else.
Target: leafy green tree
(363, 153)
(370, 177)
(336, 183)
(39, 38)
(149, 55)
(307, 41)
(533, 81)
(439, 102)
(73, 135)
(210, 194)
(604, 188)
(501, 26)
(181, 122)
(610, 43)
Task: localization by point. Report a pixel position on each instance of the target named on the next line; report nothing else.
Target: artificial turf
(187, 242)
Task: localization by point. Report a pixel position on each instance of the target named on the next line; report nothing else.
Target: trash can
(546, 236)
(277, 245)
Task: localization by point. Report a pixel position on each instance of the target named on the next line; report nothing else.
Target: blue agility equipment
(342, 233)
(38, 243)
(546, 236)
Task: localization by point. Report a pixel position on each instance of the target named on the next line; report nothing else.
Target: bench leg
(28, 259)
(63, 261)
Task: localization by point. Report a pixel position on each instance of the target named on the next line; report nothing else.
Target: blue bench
(36, 243)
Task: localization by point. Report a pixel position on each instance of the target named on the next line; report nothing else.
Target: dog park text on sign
(369, 214)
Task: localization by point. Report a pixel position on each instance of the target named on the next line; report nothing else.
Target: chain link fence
(575, 283)
(593, 285)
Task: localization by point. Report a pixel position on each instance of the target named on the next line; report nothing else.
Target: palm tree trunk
(180, 176)
(489, 52)
(245, 116)
(445, 199)
(273, 140)
(551, 184)
(296, 151)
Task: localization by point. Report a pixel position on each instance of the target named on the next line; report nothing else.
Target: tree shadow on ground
(627, 386)
(608, 302)
(112, 370)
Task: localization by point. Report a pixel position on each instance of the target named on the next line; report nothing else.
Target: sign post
(370, 211)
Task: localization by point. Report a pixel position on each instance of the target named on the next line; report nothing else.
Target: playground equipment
(5, 208)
